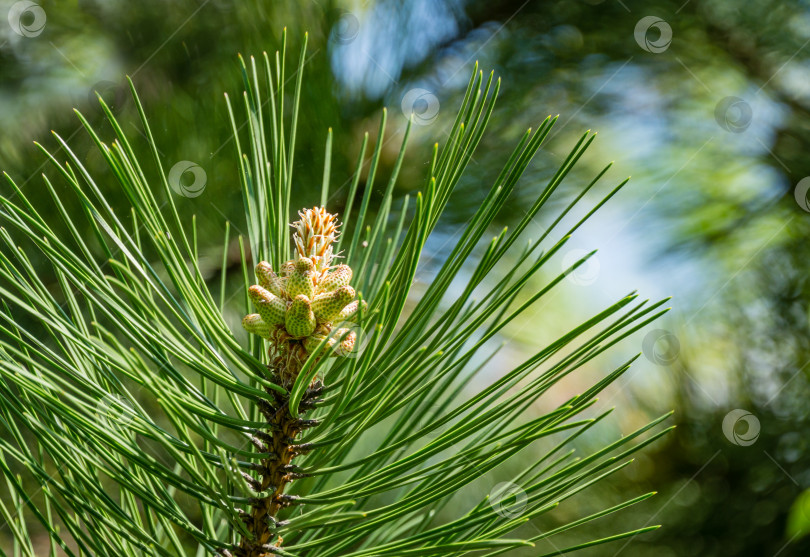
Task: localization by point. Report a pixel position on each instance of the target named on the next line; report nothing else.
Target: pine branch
(136, 421)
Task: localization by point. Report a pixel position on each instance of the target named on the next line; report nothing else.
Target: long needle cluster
(308, 305)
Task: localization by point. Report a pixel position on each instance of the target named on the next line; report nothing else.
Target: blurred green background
(705, 103)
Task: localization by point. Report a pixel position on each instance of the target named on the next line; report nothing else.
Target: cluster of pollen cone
(301, 305)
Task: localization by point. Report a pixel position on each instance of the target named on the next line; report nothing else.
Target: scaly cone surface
(308, 298)
(307, 303)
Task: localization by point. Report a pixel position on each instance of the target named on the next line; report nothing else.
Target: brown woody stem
(276, 471)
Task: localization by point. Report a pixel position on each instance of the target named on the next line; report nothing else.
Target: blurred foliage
(711, 207)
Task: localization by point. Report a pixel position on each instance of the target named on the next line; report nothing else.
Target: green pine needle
(129, 403)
